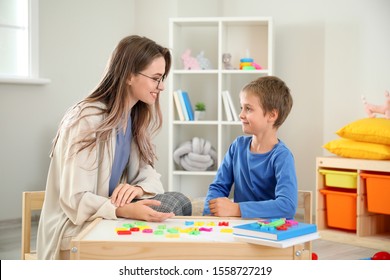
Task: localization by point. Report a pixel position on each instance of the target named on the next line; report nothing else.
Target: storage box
(340, 209)
(340, 179)
(378, 192)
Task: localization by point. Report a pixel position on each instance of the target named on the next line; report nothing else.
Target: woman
(102, 156)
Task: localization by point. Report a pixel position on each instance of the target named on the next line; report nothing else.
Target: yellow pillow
(355, 149)
(372, 130)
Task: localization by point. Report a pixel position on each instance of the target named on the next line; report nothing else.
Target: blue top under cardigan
(122, 155)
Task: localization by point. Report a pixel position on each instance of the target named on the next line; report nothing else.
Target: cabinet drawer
(340, 179)
(378, 192)
(340, 209)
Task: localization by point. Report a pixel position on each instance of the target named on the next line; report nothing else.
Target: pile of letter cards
(280, 233)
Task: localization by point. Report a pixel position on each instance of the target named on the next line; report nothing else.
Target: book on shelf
(231, 105)
(226, 105)
(179, 109)
(274, 229)
(188, 105)
(183, 105)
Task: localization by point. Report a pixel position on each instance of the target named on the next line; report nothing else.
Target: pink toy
(190, 63)
(372, 109)
(257, 66)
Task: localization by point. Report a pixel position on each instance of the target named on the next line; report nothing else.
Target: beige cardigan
(77, 187)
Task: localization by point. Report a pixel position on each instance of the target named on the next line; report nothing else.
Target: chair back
(32, 200)
(305, 204)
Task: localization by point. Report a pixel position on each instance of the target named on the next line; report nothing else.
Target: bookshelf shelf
(196, 122)
(214, 36)
(195, 72)
(202, 173)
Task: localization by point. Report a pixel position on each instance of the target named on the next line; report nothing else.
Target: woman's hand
(125, 193)
(140, 210)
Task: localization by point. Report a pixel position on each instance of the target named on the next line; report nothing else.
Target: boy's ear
(273, 115)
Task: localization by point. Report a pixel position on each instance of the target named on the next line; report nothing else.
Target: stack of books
(230, 109)
(183, 104)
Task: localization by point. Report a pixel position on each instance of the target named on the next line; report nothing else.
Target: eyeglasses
(157, 80)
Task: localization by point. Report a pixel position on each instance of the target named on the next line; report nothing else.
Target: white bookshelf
(213, 36)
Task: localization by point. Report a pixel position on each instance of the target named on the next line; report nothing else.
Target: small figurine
(372, 109)
(190, 62)
(204, 63)
(226, 57)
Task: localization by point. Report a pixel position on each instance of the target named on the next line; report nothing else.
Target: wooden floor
(10, 240)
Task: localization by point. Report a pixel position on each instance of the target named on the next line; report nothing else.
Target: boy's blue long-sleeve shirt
(265, 185)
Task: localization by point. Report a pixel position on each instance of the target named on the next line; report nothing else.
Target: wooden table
(100, 241)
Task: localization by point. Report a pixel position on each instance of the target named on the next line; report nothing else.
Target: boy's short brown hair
(273, 94)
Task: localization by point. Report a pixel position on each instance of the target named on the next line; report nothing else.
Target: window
(19, 42)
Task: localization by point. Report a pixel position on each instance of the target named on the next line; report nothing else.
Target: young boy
(260, 166)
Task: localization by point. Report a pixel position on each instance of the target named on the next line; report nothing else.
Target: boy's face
(252, 115)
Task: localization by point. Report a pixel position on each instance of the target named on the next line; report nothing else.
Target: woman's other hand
(141, 210)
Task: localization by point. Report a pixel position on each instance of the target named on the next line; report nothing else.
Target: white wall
(328, 52)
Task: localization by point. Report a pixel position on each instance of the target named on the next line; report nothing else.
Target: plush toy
(226, 58)
(190, 62)
(204, 62)
(372, 109)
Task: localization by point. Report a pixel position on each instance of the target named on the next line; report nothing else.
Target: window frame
(33, 77)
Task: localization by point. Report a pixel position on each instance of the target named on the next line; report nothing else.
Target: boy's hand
(224, 207)
(125, 193)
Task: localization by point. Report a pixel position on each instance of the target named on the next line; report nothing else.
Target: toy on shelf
(248, 63)
(226, 58)
(200, 62)
(204, 63)
(190, 62)
(371, 109)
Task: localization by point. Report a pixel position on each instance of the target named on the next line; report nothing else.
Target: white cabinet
(241, 37)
